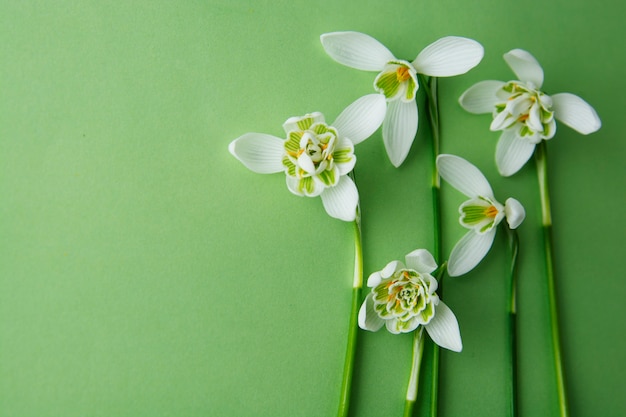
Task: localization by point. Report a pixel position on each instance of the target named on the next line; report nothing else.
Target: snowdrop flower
(481, 214)
(403, 298)
(397, 78)
(525, 114)
(316, 156)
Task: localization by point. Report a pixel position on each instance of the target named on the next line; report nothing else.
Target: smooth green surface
(145, 272)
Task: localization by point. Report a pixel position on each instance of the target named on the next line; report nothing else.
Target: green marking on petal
(328, 177)
(486, 227)
(305, 122)
(428, 313)
(387, 83)
(292, 144)
(525, 131)
(410, 90)
(343, 155)
(473, 214)
(306, 185)
(291, 167)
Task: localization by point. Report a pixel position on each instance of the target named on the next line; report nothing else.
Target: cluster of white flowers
(316, 158)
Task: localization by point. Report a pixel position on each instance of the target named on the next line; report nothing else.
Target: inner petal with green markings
(398, 80)
(315, 156)
(407, 299)
(481, 214)
(525, 109)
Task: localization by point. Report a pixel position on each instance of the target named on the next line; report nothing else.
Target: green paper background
(145, 272)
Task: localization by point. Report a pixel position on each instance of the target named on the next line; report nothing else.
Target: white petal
(469, 251)
(464, 176)
(512, 152)
(399, 129)
(259, 152)
(390, 268)
(534, 118)
(292, 123)
(525, 66)
(306, 163)
(374, 279)
(368, 319)
(576, 113)
(421, 261)
(341, 200)
(481, 97)
(356, 50)
(514, 212)
(451, 55)
(361, 119)
(444, 328)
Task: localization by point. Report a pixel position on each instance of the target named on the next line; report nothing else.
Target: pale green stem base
(348, 367)
(412, 389)
(512, 320)
(542, 176)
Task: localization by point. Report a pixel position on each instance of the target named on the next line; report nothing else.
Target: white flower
(481, 213)
(397, 79)
(316, 156)
(524, 113)
(403, 298)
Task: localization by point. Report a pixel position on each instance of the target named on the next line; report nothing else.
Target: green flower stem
(542, 176)
(512, 322)
(348, 367)
(430, 86)
(412, 390)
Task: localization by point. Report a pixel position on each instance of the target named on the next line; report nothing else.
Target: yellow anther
(491, 211)
(402, 74)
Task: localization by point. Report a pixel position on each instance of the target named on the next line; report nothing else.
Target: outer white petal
(451, 55)
(361, 119)
(421, 261)
(374, 279)
(356, 50)
(514, 212)
(259, 152)
(469, 251)
(463, 176)
(399, 129)
(444, 328)
(481, 97)
(341, 200)
(292, 123)
(368, 319)
(390, 268)
(525, 66)
(512, 152)
(576, 113)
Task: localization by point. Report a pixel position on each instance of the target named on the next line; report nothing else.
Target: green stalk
(412, 389)
(512, 322)
(542, 175)
(430, 87)
(348, 367)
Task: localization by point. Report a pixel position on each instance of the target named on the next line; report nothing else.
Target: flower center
(315, 158)
(491, 211)
(481, 214)
(398, 80)
(402, 74)
(526, 109)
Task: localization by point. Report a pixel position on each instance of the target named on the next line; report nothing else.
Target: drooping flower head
(397, 78)
(481, 214)
(525, 114)
(403, 297)
(315, 156)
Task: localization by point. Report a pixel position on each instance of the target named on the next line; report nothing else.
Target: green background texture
(145, 272)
